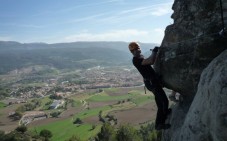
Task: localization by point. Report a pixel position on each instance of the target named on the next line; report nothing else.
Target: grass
(69, 129)
(123, 106)
(84, 131)
(91, 112)
(2, 105)
(75, 103)
(141, 92)
(102, 97)
(111, 90)
(80, 97)
(44, 101)
(38, 84)
(140, 100)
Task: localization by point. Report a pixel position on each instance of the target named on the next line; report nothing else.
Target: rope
(222, 17)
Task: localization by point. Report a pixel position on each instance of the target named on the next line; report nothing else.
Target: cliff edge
(195, 41)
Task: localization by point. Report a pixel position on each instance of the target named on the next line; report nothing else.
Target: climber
(152, 83)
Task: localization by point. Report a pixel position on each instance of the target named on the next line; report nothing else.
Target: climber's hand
(155, 49)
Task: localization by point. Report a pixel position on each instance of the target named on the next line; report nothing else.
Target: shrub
(21, 129)
(46, 134)
(78, 121)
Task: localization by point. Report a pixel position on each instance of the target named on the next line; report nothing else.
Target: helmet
(133, 45)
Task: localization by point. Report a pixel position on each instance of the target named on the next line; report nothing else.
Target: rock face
(207, 116)
(189, 45)
(206, 119)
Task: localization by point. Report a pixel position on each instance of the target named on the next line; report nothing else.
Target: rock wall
(189, 45)
(207, 116)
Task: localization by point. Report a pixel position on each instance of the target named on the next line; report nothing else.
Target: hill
(15, 55)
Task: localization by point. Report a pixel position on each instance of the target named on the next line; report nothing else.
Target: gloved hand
(155, 49)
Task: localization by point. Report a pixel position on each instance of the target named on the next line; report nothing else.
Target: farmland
(127, 105)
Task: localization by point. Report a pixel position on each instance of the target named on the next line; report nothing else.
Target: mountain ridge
(15, 55)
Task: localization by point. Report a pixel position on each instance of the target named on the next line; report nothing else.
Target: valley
(113, 91)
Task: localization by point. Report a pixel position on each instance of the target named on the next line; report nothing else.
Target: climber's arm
(150, 60)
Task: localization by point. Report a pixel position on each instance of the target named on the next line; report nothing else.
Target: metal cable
(222, 17)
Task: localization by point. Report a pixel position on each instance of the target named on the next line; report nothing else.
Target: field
(7, 124)
(128, 105)
(2, 105)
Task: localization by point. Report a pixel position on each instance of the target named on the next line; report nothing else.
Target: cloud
(73, 8)
(21, 25)
(127, 35)
(129, 16)
(115, 35)
(114, 17)
(159, 31)
(161, 10)
(83, 19)
(5, 38)
(118, 35)
(158, 35)
(155, 9)
(117, 18)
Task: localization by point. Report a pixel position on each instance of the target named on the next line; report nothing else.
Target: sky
(55, 21)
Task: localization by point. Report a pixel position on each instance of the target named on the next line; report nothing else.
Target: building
(56, 104)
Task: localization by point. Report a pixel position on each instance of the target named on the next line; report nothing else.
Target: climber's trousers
(160, 99)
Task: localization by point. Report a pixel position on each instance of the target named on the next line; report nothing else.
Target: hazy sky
(54, 21)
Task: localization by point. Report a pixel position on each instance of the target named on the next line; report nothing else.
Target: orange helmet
(133, 45)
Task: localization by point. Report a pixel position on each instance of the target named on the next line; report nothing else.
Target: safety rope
(222, 17)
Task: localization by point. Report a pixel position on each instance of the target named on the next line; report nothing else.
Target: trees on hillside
(107, 133)
(128, 133)
(19, 134)
(78, 121)
(46, 134)
(21, 129)
(74, 138)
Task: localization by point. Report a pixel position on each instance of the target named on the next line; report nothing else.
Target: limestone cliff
(206, 119)
(189, 45)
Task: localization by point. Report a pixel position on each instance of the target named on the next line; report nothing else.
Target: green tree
(37, 102)
(15, 136)
(128, 133)
(107, 133)
(29, 106)
(93, 126)
(46, 134)
(78, 121)
(16, 116)
(2, 134)
(21, 109)
(74, 138)
(149, 133)
(100, 113)
(21, 129)
(55, 114)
